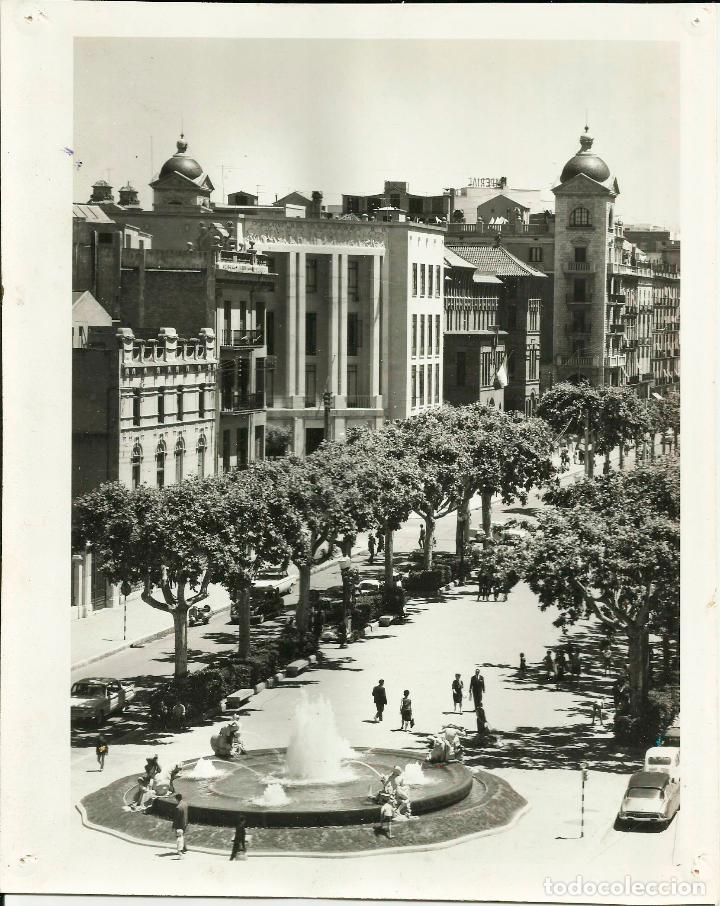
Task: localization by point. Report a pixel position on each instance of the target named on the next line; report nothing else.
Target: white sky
(343, 116)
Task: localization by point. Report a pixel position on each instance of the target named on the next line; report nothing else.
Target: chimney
(316, 207)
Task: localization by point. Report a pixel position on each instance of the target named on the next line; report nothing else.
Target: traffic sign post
(583, 772)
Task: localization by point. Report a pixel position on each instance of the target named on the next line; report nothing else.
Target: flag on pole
(501, 375)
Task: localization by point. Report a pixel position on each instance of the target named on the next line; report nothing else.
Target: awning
(485, 278)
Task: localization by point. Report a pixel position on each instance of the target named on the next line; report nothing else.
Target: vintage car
(94, 699)
(367, 587)
(671, 738)
(652, 797)
(272, 582)
(199, 616)
(663, 759)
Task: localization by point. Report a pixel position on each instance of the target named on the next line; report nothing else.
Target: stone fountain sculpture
(228, 742)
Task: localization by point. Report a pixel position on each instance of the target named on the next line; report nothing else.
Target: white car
(665, 760)
(367, 587)
(94, 699)
(272, 581)
(652, 797)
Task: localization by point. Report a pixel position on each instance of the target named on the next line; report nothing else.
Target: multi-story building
(473, 343)
(656, 243)
(519, 316)
(397, 195)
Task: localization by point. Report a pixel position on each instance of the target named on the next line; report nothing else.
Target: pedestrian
(380, 541)
(523, 665)
(549, 666)
(476, 687)
(180, 823)
(480, 720)
(387, 813)
(457, 692)
(238, 845)
(101, 750)
(379, 695)
(606, 656)
(482, 584)
(559, 668)
(179, 713)
(371, 547)
(406, 714)
(421, 539)
(575, 665)
(318, 622)
(597, 713)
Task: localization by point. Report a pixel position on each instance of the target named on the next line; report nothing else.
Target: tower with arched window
(584, 238)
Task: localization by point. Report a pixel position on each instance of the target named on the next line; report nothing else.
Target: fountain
(318, 780)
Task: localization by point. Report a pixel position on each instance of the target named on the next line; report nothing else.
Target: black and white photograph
(342, 506)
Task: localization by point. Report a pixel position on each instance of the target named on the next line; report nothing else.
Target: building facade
(397, 195)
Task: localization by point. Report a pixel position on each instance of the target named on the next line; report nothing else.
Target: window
(161, 405)
(270, 332)
(141, 244)
(354, 330)
(437, 383)
(160, 454)
(394, 200)
(260, 381)
(201, 401)
(180, 406)
(431, 268)
(421, 388)
(429, 383)
(352, 280)
(580, 254)
(422, 334)
(241, 445)
(135, 464)
(437, 336)
(201, 448)
(352, 382)
(430, 336)
(610, 219)
(414, 334)
(413, 385)
(536, 253)
(460, 369)
(437, 280)
(310, 385)
(128, 240)
(226, 451)
(414, 280)
(579, 290)
(422, 279)
(136, 407)
(311, 333)
(311, 275)
(580, 217)
(179, 455)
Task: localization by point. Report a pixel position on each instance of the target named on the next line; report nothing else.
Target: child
(101, 750)
(387, 813)
(406, 711)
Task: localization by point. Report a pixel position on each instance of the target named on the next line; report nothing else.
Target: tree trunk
(388, 557)
(637, 667)
(301, 614)
(462, 528)
(590, 453)
(243, 607)
(652, 446)
(179, 615)
(486, 500)
(429, 537)
(606, 464)
(621, 457)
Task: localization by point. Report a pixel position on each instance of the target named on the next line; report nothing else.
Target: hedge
(428, 580)
(646, 730)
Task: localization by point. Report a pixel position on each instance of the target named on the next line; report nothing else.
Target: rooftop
(494, 259)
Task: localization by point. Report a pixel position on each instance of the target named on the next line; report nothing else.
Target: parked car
(93, 700)
(199, 616)
(664, 760)
(367, 587)
(272, 582)
(671, 737)
(652, 797)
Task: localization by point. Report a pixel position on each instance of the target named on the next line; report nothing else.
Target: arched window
(179, 454)
(580, 217)
(160, 454)
(201, 448)
(135, 464)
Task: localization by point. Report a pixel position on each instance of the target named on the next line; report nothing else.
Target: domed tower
(102, 193)
(181, 183)
(128, 197)
(584, 238)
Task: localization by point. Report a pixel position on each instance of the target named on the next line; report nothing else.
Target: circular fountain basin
(240, 787)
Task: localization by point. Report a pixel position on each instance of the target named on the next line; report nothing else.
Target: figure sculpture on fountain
(228, 742)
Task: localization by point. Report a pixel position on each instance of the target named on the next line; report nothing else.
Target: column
(299, 401)
(334, 309)
(77, 584)
(374, 384)
(290, 326)
(86, 585)
(341, 401)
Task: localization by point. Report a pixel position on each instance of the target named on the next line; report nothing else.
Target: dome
(585, 162)
(181, 163)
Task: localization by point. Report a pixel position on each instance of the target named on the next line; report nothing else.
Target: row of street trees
(176, 541)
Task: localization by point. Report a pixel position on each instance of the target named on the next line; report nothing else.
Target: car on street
(671, 737)
(199, 616)
(272, 582)
(652, 797)
(367, 587)
(663, 759)
(94, 699)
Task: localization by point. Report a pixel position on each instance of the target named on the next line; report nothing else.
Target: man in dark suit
(380, 698)
(476, 689)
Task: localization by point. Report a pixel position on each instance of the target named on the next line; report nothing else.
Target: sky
(342, 116)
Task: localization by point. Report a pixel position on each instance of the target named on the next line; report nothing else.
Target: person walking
(371, 547)
(457, 693)
(406, 714)
(179, 713)
(238, 845)
(476, 687)
(606, 656)
(380, 541)
(575, 665)
(101, 750)
(379, 695)
(559, 668)
(421, 539)
(180, 823)
(549, 666)
(523, 665)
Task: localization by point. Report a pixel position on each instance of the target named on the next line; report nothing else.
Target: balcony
(355, 401)
(614, 361)
(569, 300)
(241, 402)
(251, 262)
(617, 299)
(246, 338)
(579, 267)
(616, 328)
(578, 361)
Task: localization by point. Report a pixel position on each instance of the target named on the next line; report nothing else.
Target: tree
(507, 455)
(665, 415)
(612, 550)
(443, 462)
(391, 479)
(164, 538)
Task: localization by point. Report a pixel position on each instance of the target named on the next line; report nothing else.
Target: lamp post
(583, 773)
(125, 590)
